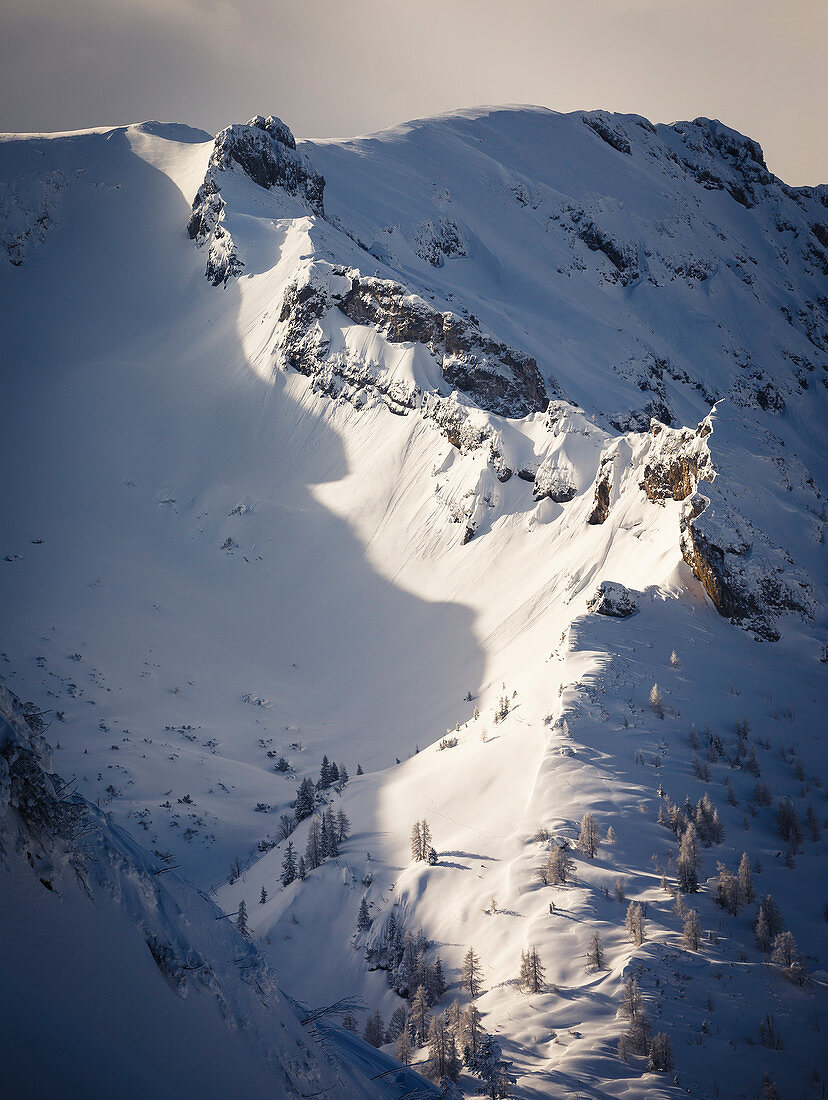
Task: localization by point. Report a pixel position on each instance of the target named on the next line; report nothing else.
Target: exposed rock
(613, 599)
(265, 151)
(678, 460)
(603, 485)
(749, 580)
(499, 378)
(599, 123)
(28, 208)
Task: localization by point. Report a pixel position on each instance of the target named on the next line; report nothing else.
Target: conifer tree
(595, 952)
(374, 1030)
(419, 1017)
(288, 865)
(241, 919)
(691, 936)
(343, 826)
(492, 1069)
(559, 866)
(440, 1042)
(396, 1024)
(363, 916)
(324, 774)
(313, 847)
(761, 931)
(359, 770)
(471, 1032)
(745, 880)
(416, 841)
(303, 807)
(634, 923)
(301, 870)
(531, 971)
(660, 1058)
(343, 775)
(588, 838)
(689, 861)
(404, 1048)
(656, 701)
(472, 973)
(263, 896)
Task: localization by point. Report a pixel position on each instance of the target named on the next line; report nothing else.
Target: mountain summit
(444, 507)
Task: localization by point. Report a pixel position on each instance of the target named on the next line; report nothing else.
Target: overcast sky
(337, 69)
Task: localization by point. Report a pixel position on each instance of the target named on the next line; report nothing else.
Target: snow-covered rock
(613, 599)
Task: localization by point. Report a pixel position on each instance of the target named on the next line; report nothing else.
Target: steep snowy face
(632, 269)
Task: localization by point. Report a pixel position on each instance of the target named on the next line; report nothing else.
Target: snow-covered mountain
(431, 453)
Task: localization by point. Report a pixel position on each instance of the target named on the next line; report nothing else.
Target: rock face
(499, 378)
(613, 599)
(749, 580)
(678, 460)
(603, 486)
(265, 152)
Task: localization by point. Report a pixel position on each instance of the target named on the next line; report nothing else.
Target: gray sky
(337, 69)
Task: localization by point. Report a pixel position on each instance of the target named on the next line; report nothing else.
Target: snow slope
(313, 502)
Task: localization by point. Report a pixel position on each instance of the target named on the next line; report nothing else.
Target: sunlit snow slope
(365, 477)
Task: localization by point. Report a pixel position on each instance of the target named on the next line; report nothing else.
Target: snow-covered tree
(263, 896)
(241, 919)
(691, 936)
(674, 660)
(472, 973)
(492, 1069)
(786, 954)
(301, 870)
(634, 923)
(689, 861)
(588, 838)
(656, 701)
(419, 1017)
(420, 840)
(404, 1047)
(441, 1049)
(288, 865)
(726, 890)
(363, 916)
(471, 1032)
(343, 826)
(343, 775)
(660, 1058)
(559, 866)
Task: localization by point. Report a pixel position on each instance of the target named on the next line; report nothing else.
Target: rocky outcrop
(603, 487)
(677, 461)
(749, 579)
(497, 377)
(613, 599)
(722, 159)
(264, 150)
(553, 483)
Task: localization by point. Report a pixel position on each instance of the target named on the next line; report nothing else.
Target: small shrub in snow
(447, 743)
